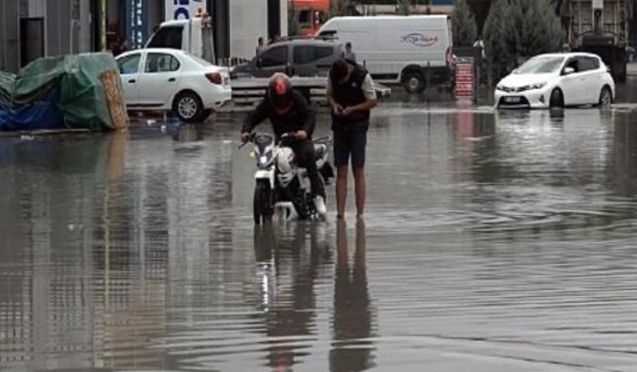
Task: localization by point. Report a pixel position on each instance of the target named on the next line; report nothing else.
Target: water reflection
(136, 250)
(353, 319)
(189, 132)
(622, 164)
(289, 262)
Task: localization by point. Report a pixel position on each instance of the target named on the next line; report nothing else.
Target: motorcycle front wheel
(262, 208)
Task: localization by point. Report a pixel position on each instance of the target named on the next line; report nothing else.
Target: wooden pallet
(115, 98)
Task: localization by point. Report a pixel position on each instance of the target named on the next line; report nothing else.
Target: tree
(404, 7)
(495, 38)
(519, 29)
(341, 8)
(293, 21)
(538, 29)
(464, 27)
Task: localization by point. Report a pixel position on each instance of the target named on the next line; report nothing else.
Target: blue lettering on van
(418, 39)
(182, 8)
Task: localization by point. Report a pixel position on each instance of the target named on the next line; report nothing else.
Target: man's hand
(338, 109)
(301, 135)
(245, 136)
(348, 110)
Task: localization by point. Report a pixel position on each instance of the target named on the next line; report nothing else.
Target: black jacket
(300, 117)
(350, 94)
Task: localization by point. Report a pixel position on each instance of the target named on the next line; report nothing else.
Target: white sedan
(158, 79)
(557, 80)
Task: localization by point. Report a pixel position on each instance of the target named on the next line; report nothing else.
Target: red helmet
(280, 92)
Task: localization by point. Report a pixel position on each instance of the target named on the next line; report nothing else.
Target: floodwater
(492, 242)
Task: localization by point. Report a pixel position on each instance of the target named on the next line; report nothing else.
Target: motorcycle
(281, 185)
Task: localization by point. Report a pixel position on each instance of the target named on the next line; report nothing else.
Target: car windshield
(540, 65)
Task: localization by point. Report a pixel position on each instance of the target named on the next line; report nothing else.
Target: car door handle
(172, 79)
(132, 81)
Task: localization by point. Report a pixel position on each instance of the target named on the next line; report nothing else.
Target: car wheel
(414, 83)
(557, 99)
(605, 98)
(188, 107)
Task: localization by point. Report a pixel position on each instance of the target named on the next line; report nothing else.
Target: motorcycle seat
(319, 150)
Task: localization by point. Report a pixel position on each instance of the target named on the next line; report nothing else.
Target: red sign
(465, 79)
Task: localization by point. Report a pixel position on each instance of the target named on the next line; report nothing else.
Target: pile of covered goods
(70, 92)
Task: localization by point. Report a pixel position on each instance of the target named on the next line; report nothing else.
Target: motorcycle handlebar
(289, 136)
(250, 139)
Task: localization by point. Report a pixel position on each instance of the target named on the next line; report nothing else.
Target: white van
(398, 49)
(194, 35)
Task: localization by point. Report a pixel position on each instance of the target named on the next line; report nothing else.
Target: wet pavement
(493, 242)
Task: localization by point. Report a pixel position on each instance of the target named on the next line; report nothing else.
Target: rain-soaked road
(492, 242)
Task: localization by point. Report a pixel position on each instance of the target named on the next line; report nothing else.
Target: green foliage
(294, 27)
(519, 29)
(404, 7)
(465, 30)
(538, 30)
(339, 7)
(496, 37)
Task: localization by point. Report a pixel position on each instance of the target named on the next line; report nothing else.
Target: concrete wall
(284, 18)
(9, 36)
(67, 28)
(248, 21)
(61, 30)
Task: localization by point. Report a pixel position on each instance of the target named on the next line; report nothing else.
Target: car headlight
(499, 87)
(538, 85)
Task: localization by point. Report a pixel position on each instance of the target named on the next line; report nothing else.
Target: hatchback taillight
(215, 78)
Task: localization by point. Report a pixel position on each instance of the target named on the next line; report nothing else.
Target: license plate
(512, 99)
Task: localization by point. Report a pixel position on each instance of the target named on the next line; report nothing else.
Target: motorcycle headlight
(538, 85)
(263, 159)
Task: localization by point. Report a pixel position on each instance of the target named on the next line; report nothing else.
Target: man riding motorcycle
(289, 112)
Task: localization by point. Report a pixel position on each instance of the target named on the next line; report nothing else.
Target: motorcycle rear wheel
(262, 203)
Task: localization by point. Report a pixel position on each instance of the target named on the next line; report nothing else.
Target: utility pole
(102, 25)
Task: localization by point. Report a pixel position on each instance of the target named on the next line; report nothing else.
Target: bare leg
(359, 187)
(341, 190)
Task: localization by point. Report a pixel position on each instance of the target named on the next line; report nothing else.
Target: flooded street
(492, 242)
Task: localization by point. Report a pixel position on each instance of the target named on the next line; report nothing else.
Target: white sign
(184, 9)
(598, 4)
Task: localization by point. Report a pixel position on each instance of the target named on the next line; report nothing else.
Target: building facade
(32, 29)
(237, 23)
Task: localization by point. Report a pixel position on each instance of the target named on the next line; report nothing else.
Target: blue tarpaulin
(41, 114)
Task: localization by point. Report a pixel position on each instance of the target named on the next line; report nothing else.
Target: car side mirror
(259, 63)
(568, 70)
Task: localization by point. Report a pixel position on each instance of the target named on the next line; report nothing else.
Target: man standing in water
(349, 55)
(260, 46)
(351, 93)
